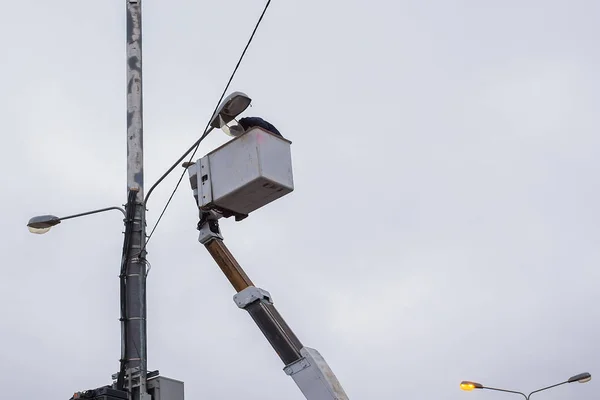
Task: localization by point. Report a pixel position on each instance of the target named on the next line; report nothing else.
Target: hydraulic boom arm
(305, 365)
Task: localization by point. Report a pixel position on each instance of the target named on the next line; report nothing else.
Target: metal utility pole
(133, 326)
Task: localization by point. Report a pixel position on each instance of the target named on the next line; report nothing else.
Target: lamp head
(232, 106)
(468, 385)
(581, 378)
(233, 129)
(42, 224)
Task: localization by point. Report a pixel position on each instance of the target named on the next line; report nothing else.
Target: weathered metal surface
(135, 142)
(135, 342)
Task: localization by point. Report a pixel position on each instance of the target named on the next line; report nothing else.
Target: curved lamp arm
(548, 387)
(581, 378)
(94, 212)
(225, 112)
(506, 391)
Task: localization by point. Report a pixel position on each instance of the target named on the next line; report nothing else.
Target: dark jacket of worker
(251, 122)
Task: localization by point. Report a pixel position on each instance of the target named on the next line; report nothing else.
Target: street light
(581, 378)
(468, 386)
(228, 110)
(232, 106)
(42, 223)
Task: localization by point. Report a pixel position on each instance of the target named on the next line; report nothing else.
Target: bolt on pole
(134, 347)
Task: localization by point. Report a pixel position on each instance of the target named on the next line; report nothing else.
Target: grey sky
(445, 222)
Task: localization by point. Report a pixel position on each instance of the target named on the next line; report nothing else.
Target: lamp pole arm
(93, 212)
(548, 387)
(176, 163)
(507, 391)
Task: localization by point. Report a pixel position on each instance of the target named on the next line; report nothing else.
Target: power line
(206, 129)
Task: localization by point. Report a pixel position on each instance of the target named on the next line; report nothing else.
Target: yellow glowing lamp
(468, 385)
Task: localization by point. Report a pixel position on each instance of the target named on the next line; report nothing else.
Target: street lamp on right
(581, 378)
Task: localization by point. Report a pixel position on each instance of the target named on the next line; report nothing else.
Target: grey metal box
(162, 388)
(246, 173)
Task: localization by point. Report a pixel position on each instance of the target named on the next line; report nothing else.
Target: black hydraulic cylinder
(278, 333)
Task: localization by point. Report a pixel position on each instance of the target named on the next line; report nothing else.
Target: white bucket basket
(244, 174)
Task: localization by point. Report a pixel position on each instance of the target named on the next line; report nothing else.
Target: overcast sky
(445, 223)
